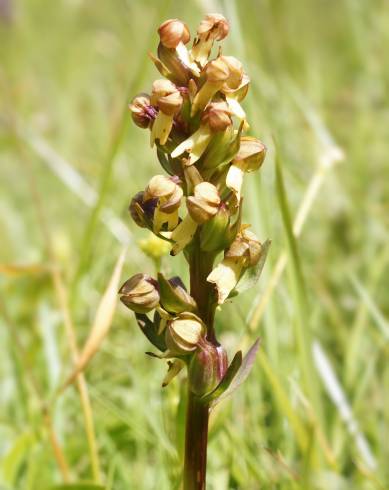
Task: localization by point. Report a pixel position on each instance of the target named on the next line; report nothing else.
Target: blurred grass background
(69, 162)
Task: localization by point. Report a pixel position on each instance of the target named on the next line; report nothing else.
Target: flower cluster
(196, 123)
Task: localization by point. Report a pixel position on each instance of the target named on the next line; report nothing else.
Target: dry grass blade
(101, 324)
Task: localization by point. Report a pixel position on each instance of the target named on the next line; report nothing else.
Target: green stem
(196, 433)
(201, 264)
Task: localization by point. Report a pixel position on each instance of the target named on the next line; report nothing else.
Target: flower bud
(206, 369)
(214, 26)
(217, 73)
(174, 296)
(140, 293)
(218, 116)
(154, 247)
(205, 202)
(183, 333)
(214, 233)
(172, 32)
(142, 112)
(169, 101)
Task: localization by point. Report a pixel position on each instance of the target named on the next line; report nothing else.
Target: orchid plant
(197, 126)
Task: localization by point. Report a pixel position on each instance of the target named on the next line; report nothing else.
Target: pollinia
(196, 124)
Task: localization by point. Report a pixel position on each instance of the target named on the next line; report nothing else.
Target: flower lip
(172, 32)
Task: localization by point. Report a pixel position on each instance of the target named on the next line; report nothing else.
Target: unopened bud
(142, 112)
(154, 247)
(174, 296)
(172, 32)
(140, 293)
(206, 369)
(183, 333)
(205, 202)
(218, 116)
(213, 26)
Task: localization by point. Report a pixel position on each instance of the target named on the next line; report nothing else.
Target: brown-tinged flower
(142, 112)
(244, 252)
(166, 195)
(217, 115)
(217, 73)
(236, 73)
(140, 293)
(214, 27)
(205, 202)
(168, 99)
(249, 158)
(172, 32)
(183, 333)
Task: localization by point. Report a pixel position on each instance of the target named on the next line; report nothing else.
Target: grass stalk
(63, 304)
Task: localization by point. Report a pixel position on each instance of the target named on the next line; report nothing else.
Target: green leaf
(242, 373)
(301, 324)
(174, 297)
(151, 331)
(15, 457)
(252, 275)
(226, 381)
